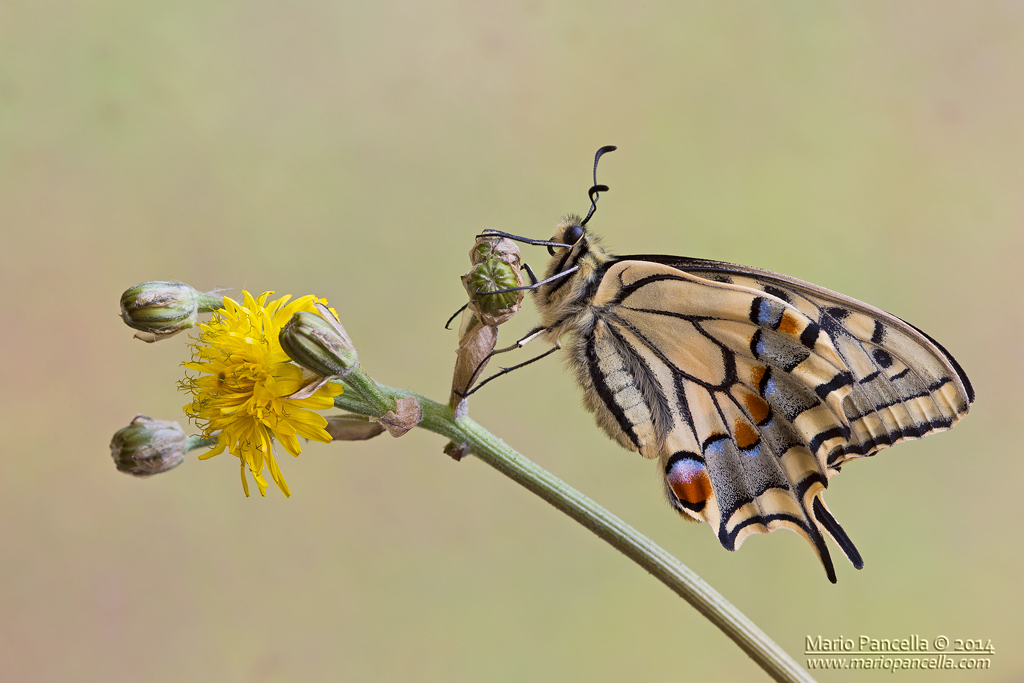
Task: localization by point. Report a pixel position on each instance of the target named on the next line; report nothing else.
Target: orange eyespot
(689, 481)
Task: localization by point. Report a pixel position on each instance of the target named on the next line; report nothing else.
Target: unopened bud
(160, 309)
(319, 344)
(147, 446)
(495, 267)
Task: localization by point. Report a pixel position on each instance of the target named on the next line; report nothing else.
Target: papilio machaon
(751, 388)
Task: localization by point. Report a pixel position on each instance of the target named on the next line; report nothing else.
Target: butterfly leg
(530, 336)
(535, 285)
(505, 371)
(529, 271)
(526, 339)
(523, 341)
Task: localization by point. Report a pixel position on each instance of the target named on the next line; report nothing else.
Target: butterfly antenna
(595, 189)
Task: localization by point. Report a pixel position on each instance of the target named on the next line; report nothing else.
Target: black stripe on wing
(723, 271)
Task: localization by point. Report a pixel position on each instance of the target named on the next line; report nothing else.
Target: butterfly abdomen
(622, 393)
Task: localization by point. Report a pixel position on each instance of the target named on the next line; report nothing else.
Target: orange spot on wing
(756, 375)
(690, 484)
(757, 407)
(745, 435)
(789, 324)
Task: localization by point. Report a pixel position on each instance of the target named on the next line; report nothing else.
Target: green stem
(380, 399)
(666, 568)
(209, 303)
(194, 442)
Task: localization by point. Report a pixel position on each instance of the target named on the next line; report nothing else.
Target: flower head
(160, 309)
(244, 383)
(147, 446)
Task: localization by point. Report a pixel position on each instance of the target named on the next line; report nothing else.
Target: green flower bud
(160, 309)
(495, 267)
(319, 344)
(147, 446)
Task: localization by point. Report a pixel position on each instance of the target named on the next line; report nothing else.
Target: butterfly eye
(572, 234)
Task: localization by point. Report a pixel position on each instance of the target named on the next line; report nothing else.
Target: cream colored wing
(753, 389)
(906, 385)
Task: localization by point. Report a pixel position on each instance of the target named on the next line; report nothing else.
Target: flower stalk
(637, 547)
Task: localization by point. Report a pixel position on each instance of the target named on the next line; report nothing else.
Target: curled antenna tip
(600, 153)
(594, 192)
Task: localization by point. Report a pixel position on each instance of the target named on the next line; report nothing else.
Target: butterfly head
(572, 243)
(570, 233)
(576, 259)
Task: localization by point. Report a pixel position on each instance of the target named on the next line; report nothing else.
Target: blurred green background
(353, 150)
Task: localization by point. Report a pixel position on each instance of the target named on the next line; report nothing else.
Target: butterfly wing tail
(797, 506)
(831, 526)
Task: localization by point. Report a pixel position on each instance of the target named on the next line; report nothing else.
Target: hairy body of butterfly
(751, 388)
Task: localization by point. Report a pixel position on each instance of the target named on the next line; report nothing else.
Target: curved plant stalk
(371, 399)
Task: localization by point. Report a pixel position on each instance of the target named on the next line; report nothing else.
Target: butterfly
(752, 389)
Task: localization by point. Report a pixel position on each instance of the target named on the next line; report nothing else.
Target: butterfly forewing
(905, 385)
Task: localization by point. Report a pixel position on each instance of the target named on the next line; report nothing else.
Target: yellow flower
(244, 385)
